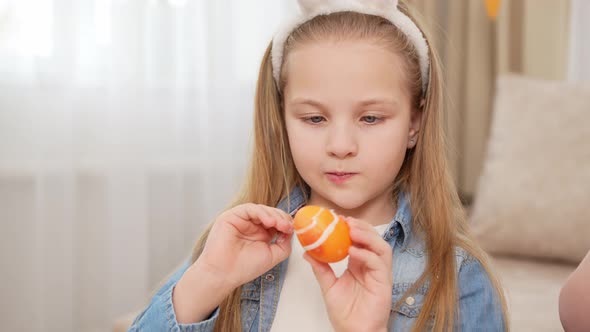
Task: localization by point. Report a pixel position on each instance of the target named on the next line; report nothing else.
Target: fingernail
(281, 238)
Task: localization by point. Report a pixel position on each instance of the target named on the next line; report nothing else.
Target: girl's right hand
(239, 247)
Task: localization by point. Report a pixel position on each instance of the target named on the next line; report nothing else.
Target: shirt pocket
(250, 302)
(404, 315)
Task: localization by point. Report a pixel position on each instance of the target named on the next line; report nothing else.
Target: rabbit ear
(311, 6)
(384, 5)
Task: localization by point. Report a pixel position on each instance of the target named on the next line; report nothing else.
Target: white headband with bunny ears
(382, 8)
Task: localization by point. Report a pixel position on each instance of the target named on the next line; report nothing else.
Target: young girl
(348, 116)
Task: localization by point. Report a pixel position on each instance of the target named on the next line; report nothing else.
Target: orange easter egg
(324, 235)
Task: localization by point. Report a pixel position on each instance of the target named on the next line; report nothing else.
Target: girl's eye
(370, 119)
(315, 119)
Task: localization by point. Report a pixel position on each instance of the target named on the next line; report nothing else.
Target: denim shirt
(479, 307)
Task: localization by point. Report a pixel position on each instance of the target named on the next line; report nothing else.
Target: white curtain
(124, 128)
(579, 55)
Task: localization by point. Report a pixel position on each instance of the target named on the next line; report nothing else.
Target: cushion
(532, 292)
(533, 196)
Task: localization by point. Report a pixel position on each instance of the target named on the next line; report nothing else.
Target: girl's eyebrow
(307, 101)
(379, 101)
(367, 102)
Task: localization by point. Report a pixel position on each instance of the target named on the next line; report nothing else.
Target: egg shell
(322, 233)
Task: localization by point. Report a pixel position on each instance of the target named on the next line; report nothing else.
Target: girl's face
(349, 120)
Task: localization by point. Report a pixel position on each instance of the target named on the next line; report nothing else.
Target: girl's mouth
(339, 177)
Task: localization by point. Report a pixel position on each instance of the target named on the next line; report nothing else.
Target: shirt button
(410, 300)
(269, 277)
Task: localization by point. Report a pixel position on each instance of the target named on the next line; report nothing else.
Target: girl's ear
(415, 124)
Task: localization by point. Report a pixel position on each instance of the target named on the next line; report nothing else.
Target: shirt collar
(403, 217)
(294, 200)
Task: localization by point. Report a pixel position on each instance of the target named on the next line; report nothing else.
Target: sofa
(530, 211)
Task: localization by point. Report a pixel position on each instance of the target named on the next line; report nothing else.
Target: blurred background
(125, 128)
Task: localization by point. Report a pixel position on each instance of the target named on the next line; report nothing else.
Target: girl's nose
(341, 142)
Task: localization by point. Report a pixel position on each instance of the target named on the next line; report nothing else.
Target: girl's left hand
(360, 299)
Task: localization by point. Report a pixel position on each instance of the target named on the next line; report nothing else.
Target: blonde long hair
(436, 209)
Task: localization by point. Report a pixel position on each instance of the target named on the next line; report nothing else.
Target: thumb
(323, 273)
(281, 249)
